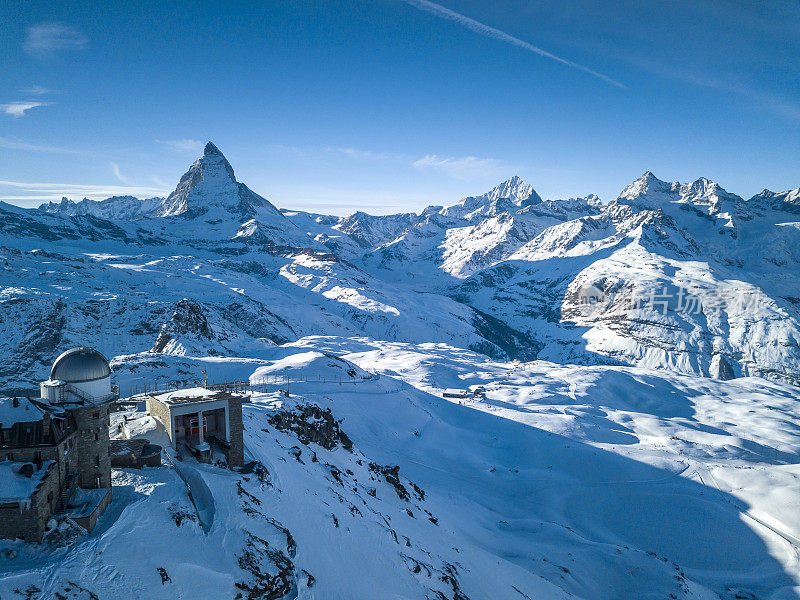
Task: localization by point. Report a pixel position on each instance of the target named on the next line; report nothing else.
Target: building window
(96, 436)
(96, 415)
(50, 498)
(97, 461)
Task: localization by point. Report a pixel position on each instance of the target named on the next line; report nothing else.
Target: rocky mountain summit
(686, 277)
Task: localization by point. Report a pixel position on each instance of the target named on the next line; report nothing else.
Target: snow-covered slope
(596, 483)
(442, 244)
(688, 277)
(729, 267)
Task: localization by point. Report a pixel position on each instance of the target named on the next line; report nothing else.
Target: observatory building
(78, 375)
(54, 450)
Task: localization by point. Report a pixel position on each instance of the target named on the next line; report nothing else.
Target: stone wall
(92, 456)
(88, 522)
(160, 411)
(29, 521)
(63, 454)
(236, 433)
(84, 452)
(134, 454)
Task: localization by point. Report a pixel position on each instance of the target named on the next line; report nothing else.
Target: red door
(192, 425)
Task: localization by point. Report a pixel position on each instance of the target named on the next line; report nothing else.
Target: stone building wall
(29, 520)
(92, 456)
(89, 521)
(63, 454)
(236, 433)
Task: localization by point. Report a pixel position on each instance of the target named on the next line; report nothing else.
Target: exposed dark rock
(180, 514)
(258, 322)
(259, 559)
(392, 476)
(720, 368)
(188, 318)
(312, 424)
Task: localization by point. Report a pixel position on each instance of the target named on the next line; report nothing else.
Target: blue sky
(391, 105)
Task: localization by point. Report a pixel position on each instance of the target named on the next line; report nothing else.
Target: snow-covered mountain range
(617, 435)
(687, 277)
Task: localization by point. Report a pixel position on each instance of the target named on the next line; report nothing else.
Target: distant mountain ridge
(116, 208)
(505, 273)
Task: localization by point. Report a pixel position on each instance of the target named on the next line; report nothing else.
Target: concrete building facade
(194, 418)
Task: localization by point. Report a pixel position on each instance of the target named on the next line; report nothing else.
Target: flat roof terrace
(196, 395)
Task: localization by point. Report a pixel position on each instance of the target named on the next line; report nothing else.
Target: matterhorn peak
(213, 175)
(211, 149)
(212, 156)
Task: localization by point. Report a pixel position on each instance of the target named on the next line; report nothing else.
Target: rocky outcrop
(188, 320)
(312, 424)
(720, 368)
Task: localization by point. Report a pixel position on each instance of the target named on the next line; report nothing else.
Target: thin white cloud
(45, 39)
(12, 144)
(321, 152)
(775, 103)
(39, 90)
(159, 182)
(18, 109)
(491, 32)
(357, 153)
(25, 192)
(466, 167)
(118, 174)
(184, 145)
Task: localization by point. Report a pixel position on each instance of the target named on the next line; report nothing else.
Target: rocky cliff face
(186, 330)
(210, 182)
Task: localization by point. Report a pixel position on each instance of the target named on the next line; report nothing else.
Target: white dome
(80, 365)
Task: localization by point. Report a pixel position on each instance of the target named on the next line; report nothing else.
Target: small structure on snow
(135, 454)
(197, 416)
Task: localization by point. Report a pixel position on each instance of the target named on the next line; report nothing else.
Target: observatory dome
(80, 365)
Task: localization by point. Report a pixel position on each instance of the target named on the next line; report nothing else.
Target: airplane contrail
(488, 31)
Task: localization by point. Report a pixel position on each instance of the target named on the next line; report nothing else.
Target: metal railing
(263, 385)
